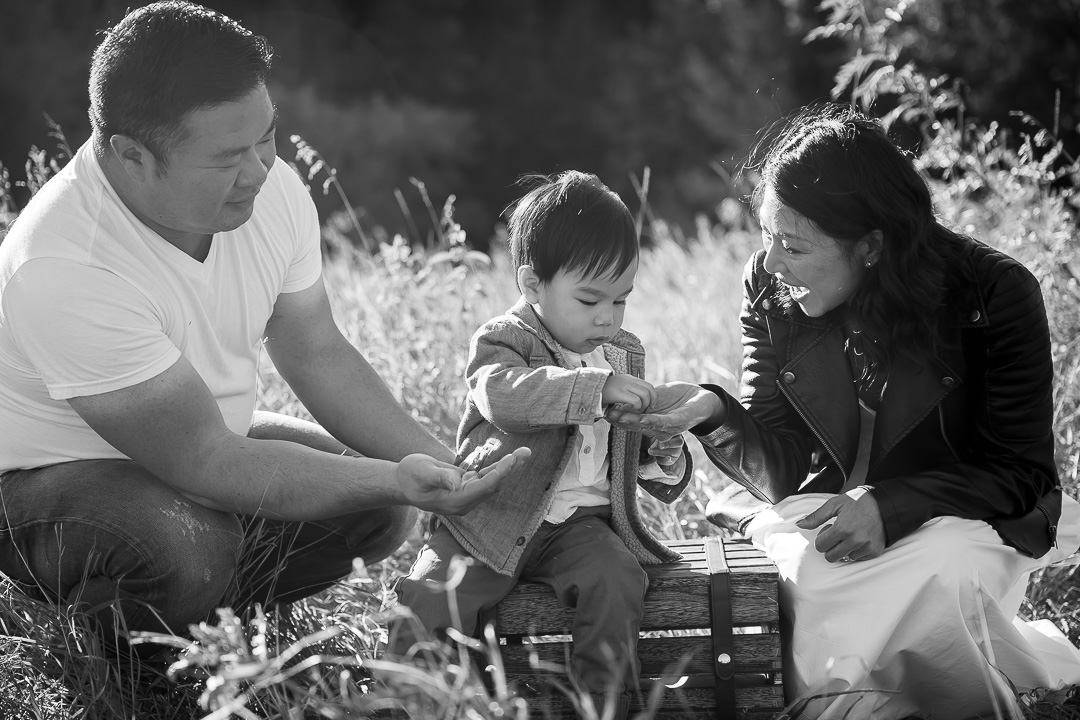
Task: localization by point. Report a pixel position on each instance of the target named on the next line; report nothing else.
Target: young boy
(541, 376)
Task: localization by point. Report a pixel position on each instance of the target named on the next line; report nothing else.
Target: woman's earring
(869, 264)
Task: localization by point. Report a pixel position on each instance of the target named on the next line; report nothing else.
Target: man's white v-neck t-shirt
(92, 300)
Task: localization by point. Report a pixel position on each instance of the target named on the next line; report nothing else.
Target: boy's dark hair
(163, 61)
(571, 221)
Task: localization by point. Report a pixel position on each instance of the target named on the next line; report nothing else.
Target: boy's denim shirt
(512, 403)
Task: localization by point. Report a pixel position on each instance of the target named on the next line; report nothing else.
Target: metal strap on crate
(722, 641)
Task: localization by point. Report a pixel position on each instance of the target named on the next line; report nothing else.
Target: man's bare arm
(171, 425)
(337, 385)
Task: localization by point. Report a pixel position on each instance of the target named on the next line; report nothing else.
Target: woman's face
(818, 274)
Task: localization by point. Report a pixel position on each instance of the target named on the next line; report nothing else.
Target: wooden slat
(758, 653)
(678, 595)
(687, 703)
(677, 600)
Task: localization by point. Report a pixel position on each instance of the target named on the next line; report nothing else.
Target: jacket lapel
(913, 391)
(827, 399)
(811, 350)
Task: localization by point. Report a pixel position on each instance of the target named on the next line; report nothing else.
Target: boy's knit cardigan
(523, 392)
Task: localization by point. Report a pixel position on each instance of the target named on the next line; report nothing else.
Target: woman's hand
(678, 407)
(858, 532)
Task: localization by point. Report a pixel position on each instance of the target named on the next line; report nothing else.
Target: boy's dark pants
(583, 561)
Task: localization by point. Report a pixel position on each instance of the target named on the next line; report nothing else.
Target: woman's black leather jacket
(967, 432)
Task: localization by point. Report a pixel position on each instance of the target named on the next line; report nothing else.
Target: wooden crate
(729, 668)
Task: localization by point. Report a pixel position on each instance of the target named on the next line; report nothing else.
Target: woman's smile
(794, 246)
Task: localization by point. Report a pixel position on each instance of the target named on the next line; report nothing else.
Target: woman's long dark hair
(838, 168)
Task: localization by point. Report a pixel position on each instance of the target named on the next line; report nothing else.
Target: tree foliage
(467, 95)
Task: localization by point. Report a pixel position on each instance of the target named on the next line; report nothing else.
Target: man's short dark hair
(572, 222)
(164, 61)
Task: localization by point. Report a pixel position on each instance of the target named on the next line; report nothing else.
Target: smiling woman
(892, 446)
(818, 272)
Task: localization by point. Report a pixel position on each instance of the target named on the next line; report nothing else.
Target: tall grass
(411, 308)
(411, 311)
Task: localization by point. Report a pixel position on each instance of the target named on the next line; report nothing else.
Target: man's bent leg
(101, 533)
(286, 561)
(283, 562)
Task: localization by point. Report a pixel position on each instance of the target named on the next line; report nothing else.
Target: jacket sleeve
(518, 393)
(679, 474)
(1010, 463)
(762, 443)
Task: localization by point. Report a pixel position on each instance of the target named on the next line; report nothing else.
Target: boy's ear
(529, 282)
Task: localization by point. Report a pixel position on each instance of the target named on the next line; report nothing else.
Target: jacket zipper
(806, 420)
(944, 435)
(1053, 527)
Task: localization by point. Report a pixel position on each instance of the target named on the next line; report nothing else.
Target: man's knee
(376, 534)
(93, 532)
(206, 547)
(166, 583)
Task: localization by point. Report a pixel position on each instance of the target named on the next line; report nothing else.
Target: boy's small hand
(633, 394)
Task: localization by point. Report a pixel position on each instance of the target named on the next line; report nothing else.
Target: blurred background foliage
(467, 95)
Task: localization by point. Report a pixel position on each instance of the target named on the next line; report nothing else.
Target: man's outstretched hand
(678, 407)
(436, 486)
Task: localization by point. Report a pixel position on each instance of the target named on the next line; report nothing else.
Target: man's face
(214, 174)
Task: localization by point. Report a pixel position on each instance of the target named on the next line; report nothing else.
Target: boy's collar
(524, 311)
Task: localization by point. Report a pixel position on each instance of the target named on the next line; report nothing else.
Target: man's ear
(138, 162)
(868, 248)
(529, 282)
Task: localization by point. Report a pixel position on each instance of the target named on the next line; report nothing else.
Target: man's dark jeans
(104, 534)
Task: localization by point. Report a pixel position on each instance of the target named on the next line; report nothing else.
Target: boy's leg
(436, 607)
(105, 533)
(283, 562)
(592, 570)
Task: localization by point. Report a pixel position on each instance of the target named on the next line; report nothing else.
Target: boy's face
(580, 312)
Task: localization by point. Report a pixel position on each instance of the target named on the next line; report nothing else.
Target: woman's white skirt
(927, 629)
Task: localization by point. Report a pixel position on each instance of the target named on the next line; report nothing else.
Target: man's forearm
(288, 481)
(348, 398)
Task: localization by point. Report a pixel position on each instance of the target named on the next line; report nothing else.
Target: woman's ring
(845, 559)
